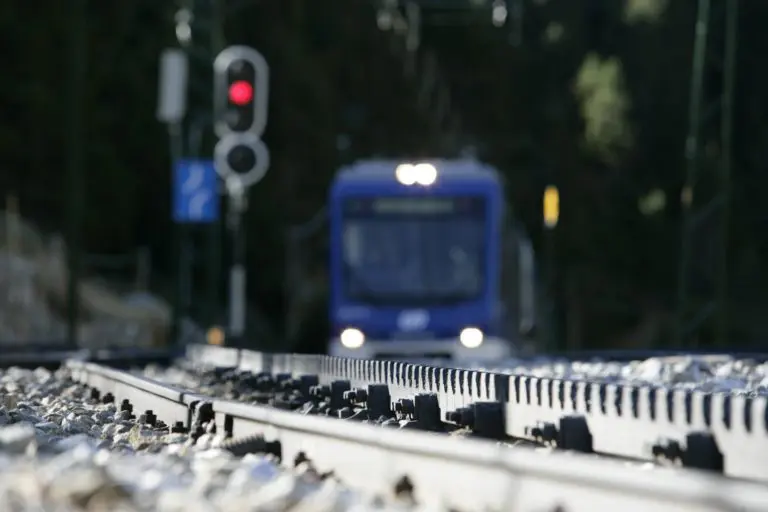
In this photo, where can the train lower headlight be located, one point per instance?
(352, 338)
(471, 337)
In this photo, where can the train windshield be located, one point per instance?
(414, 250)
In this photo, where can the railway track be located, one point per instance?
(481, 472)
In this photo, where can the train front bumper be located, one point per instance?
(490, 349)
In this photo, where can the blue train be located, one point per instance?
(416, 266)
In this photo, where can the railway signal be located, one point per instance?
(241, 95)
(240, 99)
(241, 91)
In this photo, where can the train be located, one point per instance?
(423, 263)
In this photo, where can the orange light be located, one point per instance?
(551, 206)
(215, 336)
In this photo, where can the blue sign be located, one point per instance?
(195, 191)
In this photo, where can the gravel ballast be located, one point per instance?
(62, 451)
(716, 373)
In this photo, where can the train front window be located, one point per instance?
(414, 250)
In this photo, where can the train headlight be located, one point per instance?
(471, 337)
(426, 174)
(406, 174)
(352, 338)
(422, 174)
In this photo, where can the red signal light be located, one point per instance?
(240, 93)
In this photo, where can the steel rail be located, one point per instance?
(721, 432)
(463, 474)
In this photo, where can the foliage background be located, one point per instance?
(594, 100)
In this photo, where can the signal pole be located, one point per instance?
(238, 203)
(200, 31)
(697, 213)
(76, 167)
(551, 210)
(214, 235)
(171, 110)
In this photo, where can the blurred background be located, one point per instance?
(653, 133)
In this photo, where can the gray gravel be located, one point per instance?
(703, 373)
(60, 451)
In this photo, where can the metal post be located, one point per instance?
(237, 273)
(692, 159)
(551, 265)
(214, 231)
(526, 286)
(77, 73)
(551, 214)
(217, 31)
(176, 140)
(695, 211)
(726, 134)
